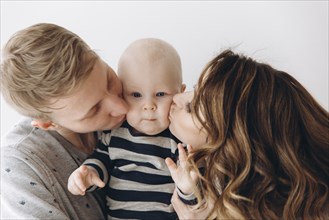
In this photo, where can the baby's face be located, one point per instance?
(148, 90)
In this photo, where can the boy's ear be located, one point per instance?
(45, 125)
(183, 88)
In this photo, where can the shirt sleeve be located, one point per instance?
(26, 192)
(189, 199)
(100, 159)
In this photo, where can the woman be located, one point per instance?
(261, 138)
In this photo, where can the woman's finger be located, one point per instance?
(172, 168)
(189, 148)
(182, 155)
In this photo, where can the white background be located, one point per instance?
(290, 35)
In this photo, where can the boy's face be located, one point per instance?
(96, 105)
(148, 89)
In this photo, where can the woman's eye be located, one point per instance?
(136, 94)
(188, 107)
(160, 94)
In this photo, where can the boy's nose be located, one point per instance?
(151, 107)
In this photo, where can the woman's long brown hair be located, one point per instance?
(267, 154)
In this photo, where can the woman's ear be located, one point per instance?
(45, 125)
(183, 88)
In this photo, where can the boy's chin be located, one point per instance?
(149, 131)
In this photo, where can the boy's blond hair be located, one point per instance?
(42, 63)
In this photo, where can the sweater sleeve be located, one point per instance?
(26, 191)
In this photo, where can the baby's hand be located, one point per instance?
(82, 178)
(184, 179)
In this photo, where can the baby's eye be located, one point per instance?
(160, 94)
(188, 107)
(136, 94)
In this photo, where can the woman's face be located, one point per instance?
(182, 123)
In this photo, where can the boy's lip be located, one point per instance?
(150, 119)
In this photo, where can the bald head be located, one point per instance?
(151, 74)
(150, 51)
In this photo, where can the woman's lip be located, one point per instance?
(171, 114)
(172, 109)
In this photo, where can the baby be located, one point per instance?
(130, 160)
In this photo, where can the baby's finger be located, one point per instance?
(80, 182)
(81, 186)
(74, 189)
(97, 181)
(83, 170)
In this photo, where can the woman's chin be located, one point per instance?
(173, 131)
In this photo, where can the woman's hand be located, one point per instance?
(184, 179)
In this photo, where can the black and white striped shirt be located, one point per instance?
(133, 165)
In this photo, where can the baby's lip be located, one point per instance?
(150, 119)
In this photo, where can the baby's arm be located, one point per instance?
(82, 178)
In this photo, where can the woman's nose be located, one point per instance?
(176, 98)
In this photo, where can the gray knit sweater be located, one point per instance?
(35, 166)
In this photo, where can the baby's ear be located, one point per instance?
(183, 88)
(45, 125)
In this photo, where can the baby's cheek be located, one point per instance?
(132, 117)
(165, 110)
(166, 122)
(164, 118)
